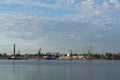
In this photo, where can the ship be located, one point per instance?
(36, 57)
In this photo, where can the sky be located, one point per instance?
(57, 25)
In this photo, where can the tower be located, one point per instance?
(71, 53)
(14, 50)
(18, 51)
(39, 52)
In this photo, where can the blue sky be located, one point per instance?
(57, 25)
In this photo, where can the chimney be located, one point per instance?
(14, 50)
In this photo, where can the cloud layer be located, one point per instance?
(58, 24)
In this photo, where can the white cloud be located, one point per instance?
(87, 7)
(33, 42)
(66, 1)
(29, 27)
(113, 1)
(75, 37)
(9, 1)
(90, 22)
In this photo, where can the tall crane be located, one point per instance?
(72, 51)
(88, 49)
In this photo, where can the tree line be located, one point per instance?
(113, 56)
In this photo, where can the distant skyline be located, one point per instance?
(57, 25)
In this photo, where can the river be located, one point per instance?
(60, 70)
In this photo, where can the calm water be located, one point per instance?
(59, 70)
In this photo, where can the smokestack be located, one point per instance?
(39, 52)
(14, 50)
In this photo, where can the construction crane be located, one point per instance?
(88, 49)
(72, 51)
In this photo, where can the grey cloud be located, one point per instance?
(33, 27)
(91, 23)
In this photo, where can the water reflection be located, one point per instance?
(59, 70)
(13, 66)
